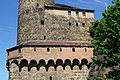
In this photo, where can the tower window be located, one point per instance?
(69, 12)
(76, 24)
(48, 49)
(70, 24)
(83, 24)
(83, 13)
(85, 50)
(44, 37)
(50, 77)
(27, 12)
(77, 13)
(34, 49)
(37, 5)
(42, 22)
(73, 49)
(19, 50)
(60, 49)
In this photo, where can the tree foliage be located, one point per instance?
(105, 35)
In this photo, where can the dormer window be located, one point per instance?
(69, 12)
(77, 13)
(83, 13)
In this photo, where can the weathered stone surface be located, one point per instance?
(54, 27)
(52, 45)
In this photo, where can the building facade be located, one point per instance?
(53, 42)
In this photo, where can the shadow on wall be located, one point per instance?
(56, 65)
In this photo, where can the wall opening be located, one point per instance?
(69, 12)
(60, 49)
(83, 24)
(70, 24)
(73, 49)
(35, 49)
(50, 77)
(83, 13)
(37, 5)
(85, 50)
(42, 22)
(77, 13)
(19, 50)
(48, 49)
(44, 37)
(76, 24)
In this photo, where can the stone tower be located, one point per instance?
(53, 42)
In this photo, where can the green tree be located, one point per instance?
(105, 35)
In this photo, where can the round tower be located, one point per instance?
(31, 16)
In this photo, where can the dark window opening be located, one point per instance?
(73, 49)
(37, 5)
(44, 37)
(50, 77)
(85, 50)
(48, 49)
(19, 50)
(83, 13)
(77, 13)
(34, 49)
(42, 22)
(83, 24)
(76, 24)
(60, 49)
(70, 24)
(69, 12)
(27, 12)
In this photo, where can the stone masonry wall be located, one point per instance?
(35, 23)
(55, 27)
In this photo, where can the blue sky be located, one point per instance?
(8, 24)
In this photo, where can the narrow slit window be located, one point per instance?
(76, 24)
(50, 77)
(83, 24)
(34, 49)
(70, 24)
(48, 49)
(19, 50)
(37, 5)
(69, 12)
(42, 22)
(44, 37)
(85, 50)
(73, 49)
(60, 49)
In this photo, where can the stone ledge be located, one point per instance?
(48, 43)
